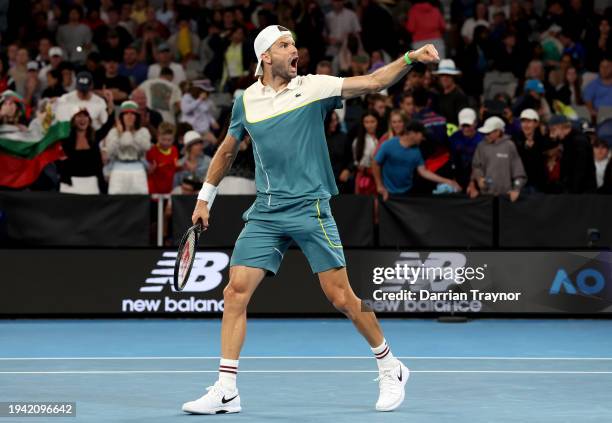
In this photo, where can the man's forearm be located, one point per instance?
(376, 173)
(388, 75)
(222, 161)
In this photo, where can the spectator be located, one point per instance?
(310, 31)
(570, 92)
(437, 139)
(378, 106)
(480, 18)
(463, 144)
(18, 72)
(497, 168)
(12, 109)
(407, 105)
(126, 145)
(32, 87)
(184, 44)
(475, 61)
(577, 169)
(533, 98)
(84, 97)
(398, 159)
(163, 95)
(598, 44)
(163, 159)
(531, 145)
(340, 153)
(397, 126)
(197, 109)
(112, 25)
(149, 118)
(451, 98)
(598, 93)
(426, 25)
(375, 16)
(363, 154)
(164, 60)
(237, 59)
(132, 68)
(81, 169)
(570, 46)
(601, 154)
(68, 80)
(111, 80)
(5, 79)
(194, 162)
(54, 87)
(75, 37)
(340, 23)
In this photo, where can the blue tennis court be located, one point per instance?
(313, 370)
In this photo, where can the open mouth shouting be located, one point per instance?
(293, 64)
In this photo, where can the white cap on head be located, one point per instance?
(264, 41)
(467, 116)
(530, 114)
(56, 51)
(492, 124)
(190, 137)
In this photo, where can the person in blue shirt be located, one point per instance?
(283, 114)
(398, 159)
(598, 93)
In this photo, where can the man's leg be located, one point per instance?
(223, 396)
(236, 296)
(393, 374)
(338, 291)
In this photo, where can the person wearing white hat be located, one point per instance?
(531, 144)
(497, 168)
(284, 115)
(194, 162)
(451, 99)
(463, 145)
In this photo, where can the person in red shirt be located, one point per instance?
(163, 160)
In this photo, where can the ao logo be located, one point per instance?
(588, 281)
(205, 274)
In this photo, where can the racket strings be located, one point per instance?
(187, 257)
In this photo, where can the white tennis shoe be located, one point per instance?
(392, 383)
(215, 401)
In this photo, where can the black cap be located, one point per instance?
(558, 120)
(84, 81)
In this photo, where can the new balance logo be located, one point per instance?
(298, 95)
(400, 375)
(205, 274)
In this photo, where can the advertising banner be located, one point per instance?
(138, 282)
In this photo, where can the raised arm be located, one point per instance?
(219, 166)
(387, 75)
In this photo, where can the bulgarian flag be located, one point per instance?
(24, 153)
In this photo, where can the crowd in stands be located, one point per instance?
(521, 101)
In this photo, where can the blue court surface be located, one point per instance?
(313, 370)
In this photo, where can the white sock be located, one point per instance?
(384, 357)
(228, 370)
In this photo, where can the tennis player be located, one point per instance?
(283, 113)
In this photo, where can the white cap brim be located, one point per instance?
(259, 70)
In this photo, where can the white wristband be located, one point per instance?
(208, 194)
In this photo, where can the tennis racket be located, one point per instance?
(186, 255)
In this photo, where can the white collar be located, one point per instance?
(293, 84)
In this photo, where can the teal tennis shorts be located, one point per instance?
(269, 230)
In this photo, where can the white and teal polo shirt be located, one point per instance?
(288, 136)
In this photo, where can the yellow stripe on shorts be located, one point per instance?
(329, 241)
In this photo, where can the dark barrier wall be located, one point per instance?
(552, 221)
(354, 216)
(76, 220)
(437, 222)
(138, 281)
